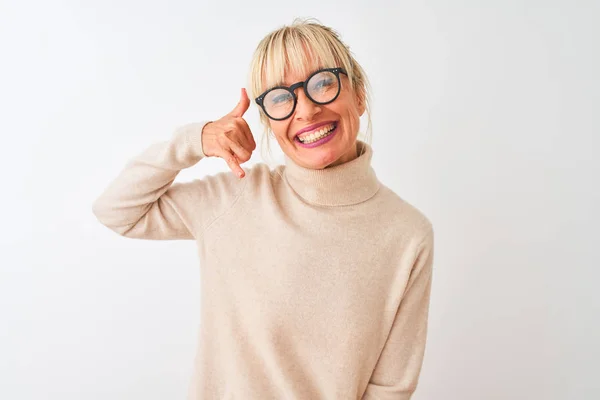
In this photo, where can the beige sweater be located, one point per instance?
(315, 284)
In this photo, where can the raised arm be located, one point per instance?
(396, 374)
(143, 202)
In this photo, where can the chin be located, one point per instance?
(320, 158)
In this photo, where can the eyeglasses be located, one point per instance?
(321, 87)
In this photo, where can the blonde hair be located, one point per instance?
(288, 47)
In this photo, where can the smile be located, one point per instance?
(317, 135)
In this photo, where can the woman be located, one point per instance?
(315, 277)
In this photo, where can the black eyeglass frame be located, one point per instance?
(260, 99)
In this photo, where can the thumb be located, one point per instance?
(242, 105)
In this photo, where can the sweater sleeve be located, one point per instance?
(142, 202)
(396, 373)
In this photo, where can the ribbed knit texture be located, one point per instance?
(315, 284)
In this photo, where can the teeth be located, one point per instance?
(313, 137)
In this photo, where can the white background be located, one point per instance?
(485, 117)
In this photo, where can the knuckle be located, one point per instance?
(244, 156)
(225, 139)
(236, 126)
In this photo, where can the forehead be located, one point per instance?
(298, 74)
(294, 63)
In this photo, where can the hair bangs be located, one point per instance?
(293, 52)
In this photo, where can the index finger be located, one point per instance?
(233, 163)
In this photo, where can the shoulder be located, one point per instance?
(404, 216)
(262, 175)
(261, 171)
(214, 195)
(226, 185)
(260, 179)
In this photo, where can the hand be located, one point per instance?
(230, 137)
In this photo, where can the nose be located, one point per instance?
(305, 108)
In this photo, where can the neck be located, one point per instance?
(343, 184)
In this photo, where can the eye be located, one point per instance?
(323, 83)
(278, 97)
(281, 98)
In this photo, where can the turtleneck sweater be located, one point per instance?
(315, 284)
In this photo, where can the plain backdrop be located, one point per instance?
(485, 117)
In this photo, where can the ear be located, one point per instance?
(360, 101)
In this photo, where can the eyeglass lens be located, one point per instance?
(322, 88)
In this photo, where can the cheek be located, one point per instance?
(352, 119)
(348, 107)
(280, 130)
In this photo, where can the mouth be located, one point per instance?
(317, 135)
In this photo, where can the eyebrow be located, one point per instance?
(281, 83)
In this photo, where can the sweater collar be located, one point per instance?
(350, 183)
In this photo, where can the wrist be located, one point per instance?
(201, 139)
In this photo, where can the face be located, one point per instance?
(339, 145)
